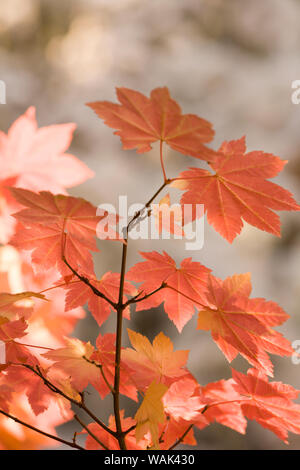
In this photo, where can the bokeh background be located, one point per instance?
(229, 61)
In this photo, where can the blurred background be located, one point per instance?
(228, 61)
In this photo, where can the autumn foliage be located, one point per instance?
(47, 276)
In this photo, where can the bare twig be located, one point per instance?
(138, 213)
(88, 283)
(178, 441)
(29, 426)
(116, 394)
(135, 299)
(90, 432)
(80, 404)
(100, 366)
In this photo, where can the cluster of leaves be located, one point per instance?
(47, 276)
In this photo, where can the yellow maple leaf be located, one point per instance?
(151, 413)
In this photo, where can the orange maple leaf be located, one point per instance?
(71, 360)
(79, 294)
(187, 285)
(142, 121)
(269, 403)
(242, 325)
(238, 189)
(35, 159)
(151, 413)
(110, 441)
(56, 225)
(153, 362)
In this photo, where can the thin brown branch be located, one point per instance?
(129, 429)
(80, 404)
(88, 283)
(90, 432)
(100, 366)
(178, 441)
(135, 299)
(138, 213)
(51, 436)
(116, 395)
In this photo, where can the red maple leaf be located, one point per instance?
(78, 294)
(110, 441)
(35, 159)
(238, 190)
(56, 225)
(223, 405)
(12, 329)
(269, 403)
(182, 401)
(73, 359)
(141, 121)
(187, 285)
(158, 362)
(242, 325)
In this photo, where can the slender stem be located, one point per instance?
(34, 346)
(138, 213)
(162, 160)
(219, 403)
(135, 299)
(97, 420)
(116, 395)
(178, 441)
(80, 404)
(90, 432)
(57, 286)
(100, 366)
(88, 283)
(129, 429)
(184, 295)
(120, 435)
(17, 420)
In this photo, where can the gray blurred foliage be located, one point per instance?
(229, 61)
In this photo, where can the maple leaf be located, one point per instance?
(13, 304)
(228, 414)
(151, 413)
(141, 121)
(39, 395)
(238, 190)
(187, 285)
(37, 156)
(104, 355)
(12, 329)
(153, 362)
(110, 441)
(269, 403)
(173, 430)
(35, 159)
(71, 360)
(182, 401)
(78, 294)
(23, 380)
(17, 353)
(49, 323)
(15, 436)
(56, 225)
(168, 218)
(242, 325)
